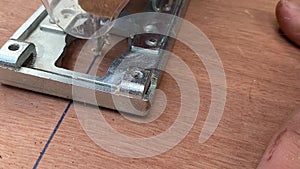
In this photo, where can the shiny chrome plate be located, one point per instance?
(28, 60)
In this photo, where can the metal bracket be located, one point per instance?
(28, 60)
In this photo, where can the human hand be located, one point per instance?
(288, 16)
(284, 149)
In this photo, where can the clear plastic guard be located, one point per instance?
(68, 15)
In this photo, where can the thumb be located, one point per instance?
(288, 16)
(284, 150)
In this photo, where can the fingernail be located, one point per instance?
(290, 4)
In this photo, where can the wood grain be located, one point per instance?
(262, 71)
(103, 8)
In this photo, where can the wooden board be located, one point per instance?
(262, 70)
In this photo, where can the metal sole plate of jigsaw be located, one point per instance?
(28, 61)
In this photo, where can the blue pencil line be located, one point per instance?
(52, 135)
(42, 153)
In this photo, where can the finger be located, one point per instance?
(284, 150)
(103, 8)
(288, 16)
